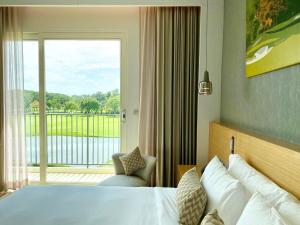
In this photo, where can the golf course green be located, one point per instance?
(80, 125)
(276, 48)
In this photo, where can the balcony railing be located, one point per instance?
(74, 139)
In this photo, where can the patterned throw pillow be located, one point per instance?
(212, 218)
(191, 198)
(132, 161)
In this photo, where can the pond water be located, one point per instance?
(71, 150)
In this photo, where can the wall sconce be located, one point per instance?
(205, 86)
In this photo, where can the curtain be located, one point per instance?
(13, 174)
(169, 60)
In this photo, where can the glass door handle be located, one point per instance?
(123, 115)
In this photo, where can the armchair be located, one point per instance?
(140, 178)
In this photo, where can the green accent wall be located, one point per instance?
(268, 104)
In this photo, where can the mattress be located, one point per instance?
(89, 205)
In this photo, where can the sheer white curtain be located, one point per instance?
(12, 149)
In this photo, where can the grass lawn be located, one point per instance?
(76, 125)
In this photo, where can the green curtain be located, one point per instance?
(174, 92)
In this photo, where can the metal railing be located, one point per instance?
(74, 139)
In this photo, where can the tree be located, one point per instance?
(115, 92)
(268, 11)
(89, 104)
(86, 103)
(113, 104)
(29, 97)
(53, 104)
(35, 105)
(71, 106)
(56, 101)
(101, 97)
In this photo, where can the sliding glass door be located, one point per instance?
(31, 104)
(79, 104)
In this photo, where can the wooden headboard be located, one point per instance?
(276, 160)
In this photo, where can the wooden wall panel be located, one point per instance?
(277, 160)
(219, 141)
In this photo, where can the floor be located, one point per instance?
(71, 175)
(71, 178)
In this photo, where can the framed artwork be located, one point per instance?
(272, 35)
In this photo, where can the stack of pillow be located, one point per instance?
(239, 195)
(269, 204)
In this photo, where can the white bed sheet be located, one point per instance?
(83, 205)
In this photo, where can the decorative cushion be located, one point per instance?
(191, 198)
(212, 218)
(132, 161)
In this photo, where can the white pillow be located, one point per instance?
(259, 212)
(225, 193)
(254, 181)
(290, 211)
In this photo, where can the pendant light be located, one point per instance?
(205, 86)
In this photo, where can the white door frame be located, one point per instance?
(41, 37)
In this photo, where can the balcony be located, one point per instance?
(79, 146)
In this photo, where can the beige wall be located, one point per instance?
(209, 106)
(99, 19)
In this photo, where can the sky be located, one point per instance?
(74, 67)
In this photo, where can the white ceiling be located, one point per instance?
(99, 2)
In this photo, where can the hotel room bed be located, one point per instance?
(239, 194)
(89, 205)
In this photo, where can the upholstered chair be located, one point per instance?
(140, 178)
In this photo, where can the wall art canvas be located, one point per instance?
(272, 35)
